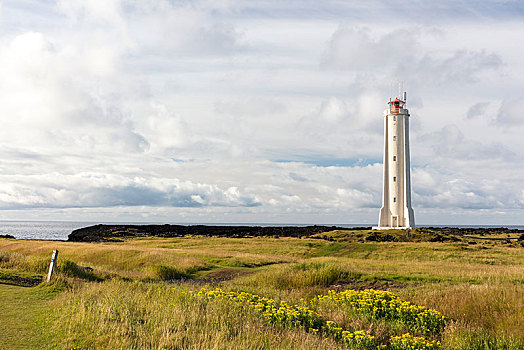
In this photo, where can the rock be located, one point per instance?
(85, 268)
(381, 237)
(103, 233)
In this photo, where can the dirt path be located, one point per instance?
(22, 311)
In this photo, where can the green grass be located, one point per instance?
(22, 278)
(300, 275)
(169, 273)
(71, 269)
(24, 314)
(134, 296)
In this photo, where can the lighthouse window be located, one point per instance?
(394, 138)
(394, 199)
(394, 118)
(394, 179)
(394, 158)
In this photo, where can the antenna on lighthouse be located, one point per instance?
(399, 89)
(405, 97)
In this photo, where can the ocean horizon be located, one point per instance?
(59, 230)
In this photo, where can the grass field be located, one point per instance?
(143, 293)
(24, 316)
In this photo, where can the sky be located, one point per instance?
(268, 111)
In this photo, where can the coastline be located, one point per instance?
(60, 230)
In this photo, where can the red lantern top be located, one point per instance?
(396, 105)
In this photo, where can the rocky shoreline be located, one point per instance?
(99, 233)
(105, 233)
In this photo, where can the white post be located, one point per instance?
(52, 264)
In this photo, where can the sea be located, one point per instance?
(59, 230)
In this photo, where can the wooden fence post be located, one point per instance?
(52, 264)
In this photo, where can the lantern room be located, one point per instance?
(396, 105)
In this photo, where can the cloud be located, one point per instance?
(477, 110)
(181, 27)
(296, 177)
(47, 98)
(103, 190)
(346, 123)
(250, 107)
(433, 188)
(510, 113)
(462, 66)
(332, 114)
(110, 11)
(401, 54)
(166, 130)
(380, 11)
(355, 48)
(450, 143)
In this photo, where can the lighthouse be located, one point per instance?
(396, 211)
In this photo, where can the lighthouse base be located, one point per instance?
(390, 228)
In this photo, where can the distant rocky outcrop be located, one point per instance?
(481, 231)
(106, 233)
(98, 233)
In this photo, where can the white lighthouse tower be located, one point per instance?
(396, 211)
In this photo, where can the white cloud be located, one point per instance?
(55, 190)
(404, 55)
(449, 143)
(332, 113)
(79, 10)
(355, 48)
(450, 192)
(510, 113)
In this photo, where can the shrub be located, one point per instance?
(169, 273)
(386, 305)
(303, 275)
(299, 316)
(410, 342)
(71, 269)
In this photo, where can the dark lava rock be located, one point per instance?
(7, 236)
(85, 268)
(443, 238)
(381, 237)
(478, 231)
(99, 233)
(20, 281)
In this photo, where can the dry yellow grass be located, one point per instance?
(122, 315)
